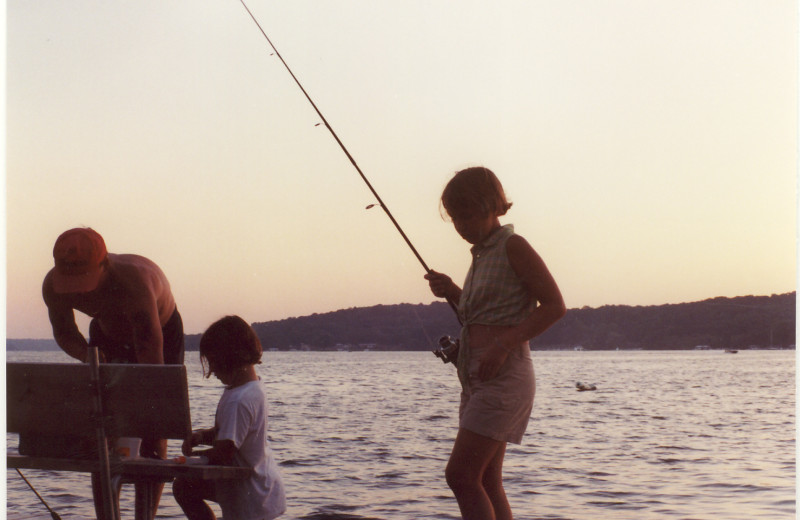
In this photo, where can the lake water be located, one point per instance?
(366, 435)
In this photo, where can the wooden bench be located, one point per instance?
(102, 401)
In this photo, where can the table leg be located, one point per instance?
(146, 493)
(116, 486)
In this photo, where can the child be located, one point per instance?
(230, 349)
(499, 312)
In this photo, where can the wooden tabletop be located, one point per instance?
(132, 467)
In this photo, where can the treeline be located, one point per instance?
(724, 323)
(719, 323)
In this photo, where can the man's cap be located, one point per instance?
(78, 254)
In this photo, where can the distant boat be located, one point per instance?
(578, 348)
(583, 387)
(729, 351)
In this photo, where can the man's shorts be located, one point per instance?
(116, 351)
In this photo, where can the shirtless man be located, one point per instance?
(134, 317)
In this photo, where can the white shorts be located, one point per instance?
(500, 407)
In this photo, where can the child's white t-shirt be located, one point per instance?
(242, 418)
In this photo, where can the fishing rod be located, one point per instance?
(53, 514)
(344, 149)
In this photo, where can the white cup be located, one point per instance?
(128, 447)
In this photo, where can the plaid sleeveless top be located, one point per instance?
(492, 293)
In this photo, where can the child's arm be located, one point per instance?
(221, 453)
(539, 283)
(198, 437)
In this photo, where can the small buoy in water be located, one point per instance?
(583, 387)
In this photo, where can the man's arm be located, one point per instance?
(66, 332)
(148, 339)
(62, 320)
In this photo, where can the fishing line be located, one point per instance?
(53, 514)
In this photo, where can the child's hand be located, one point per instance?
(193, 440)
(441, 285)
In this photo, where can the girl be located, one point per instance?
(230, 349)
(508, 298)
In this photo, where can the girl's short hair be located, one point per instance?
(474, 190)
(229, 343)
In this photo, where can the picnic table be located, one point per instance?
(104, 401)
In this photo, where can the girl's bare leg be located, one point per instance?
(472, 455)
(493, 484)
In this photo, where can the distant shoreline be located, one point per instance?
(48, 345)
(741, 323)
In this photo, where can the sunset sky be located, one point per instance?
(649, 147)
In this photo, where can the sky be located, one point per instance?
(649, 147)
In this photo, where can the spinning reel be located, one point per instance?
(447, 350)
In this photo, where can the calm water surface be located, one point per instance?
(366, 435)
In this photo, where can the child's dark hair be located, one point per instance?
(474, 190)
(229, 343)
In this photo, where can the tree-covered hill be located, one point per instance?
(742, 322)
(723, 323)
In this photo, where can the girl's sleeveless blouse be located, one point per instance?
(492, 293)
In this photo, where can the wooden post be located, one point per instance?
(110, 506)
